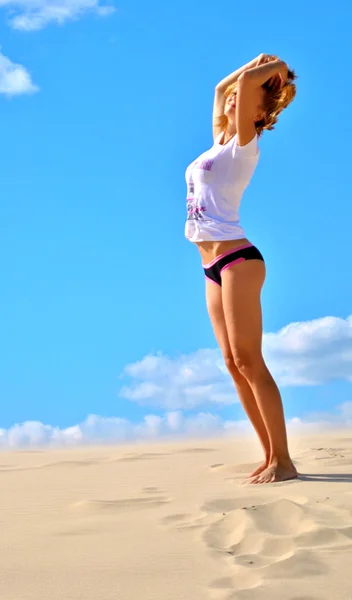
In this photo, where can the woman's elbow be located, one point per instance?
(244, 78)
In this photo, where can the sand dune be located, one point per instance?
(172, 521)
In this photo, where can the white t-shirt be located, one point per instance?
(215, 185)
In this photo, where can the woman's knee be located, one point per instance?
(229, 362)
(248, 362)
(231, 367)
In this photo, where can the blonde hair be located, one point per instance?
(275, 101)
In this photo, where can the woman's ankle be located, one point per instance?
(283, 459)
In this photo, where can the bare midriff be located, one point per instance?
(210, 250)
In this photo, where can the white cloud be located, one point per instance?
(311, 352)
(346, 411)
(171, 425)
(99, 430)
(14, 78)
(185, 382)
(31, 15)
(306, 353)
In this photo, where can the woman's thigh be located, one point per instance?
(241, 301)
(213, 296)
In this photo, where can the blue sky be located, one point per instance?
(102, 107)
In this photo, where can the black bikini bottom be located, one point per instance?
(216, 267)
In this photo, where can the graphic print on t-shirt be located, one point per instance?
(195, 212)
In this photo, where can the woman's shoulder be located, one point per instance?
(250, 150)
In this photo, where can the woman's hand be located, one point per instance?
(265, 58)
(277, 81)
(283, 74)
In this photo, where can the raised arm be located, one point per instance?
(219, 98)
(251, 96)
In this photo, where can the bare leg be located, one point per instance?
(244, 390)
(252, 411)
(241, 289)
(270, 404)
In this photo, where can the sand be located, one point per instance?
(170, 521)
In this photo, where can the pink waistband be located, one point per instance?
(225, 254)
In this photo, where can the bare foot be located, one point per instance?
(276, 472)
(259, 470)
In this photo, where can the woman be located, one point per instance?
(246, 102)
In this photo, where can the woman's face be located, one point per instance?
(230, 104)
(258, 101)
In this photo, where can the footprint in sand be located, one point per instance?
(152, 490)
(303, 598)
(94, 507)
(131, 457)
(195, 450)
(236, 470)
(8, 467)
(86, 513)
(327, 456)
(282, 539)
(225, 505)
(248, 595)
(187, 521)
(58, 464)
